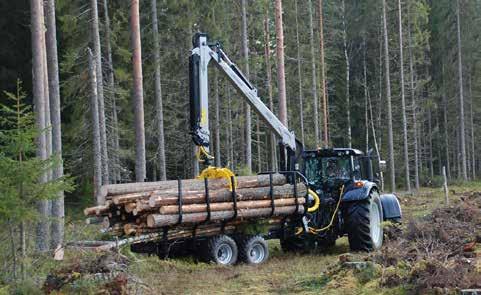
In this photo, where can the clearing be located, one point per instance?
(436, 249)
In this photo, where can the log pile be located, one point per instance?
(208, 207)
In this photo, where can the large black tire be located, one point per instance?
(363, 223)
(253, 249)
(221, 249)
(292, 244)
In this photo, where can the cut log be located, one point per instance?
(188, 184)
(227, 206)
(159, 220)
(98, 210)
(243, 194)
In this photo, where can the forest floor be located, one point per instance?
(436, 249)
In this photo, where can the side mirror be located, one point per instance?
(382, 165)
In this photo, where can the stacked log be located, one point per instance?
(207, 207)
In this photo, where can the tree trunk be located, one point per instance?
(37, 30)
(471, 123)
(58, 213)
(414, 105)
(247, 108)
(461, 95)
(48, 122)
(158, 95)
(230, 137)
(159, 220)
(217, 120)
(115, 165)
(23, 249)
(299, 72)
(140, 165)
(267, 57)
(366, 94)
(315, 98)
(430, 143)
(388, 100)
(281, 76)
(100, 90)
(323, 78)
(228, 206)
(95, 129)
(403, 100)
(348, 70)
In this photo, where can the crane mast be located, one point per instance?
(202, 54)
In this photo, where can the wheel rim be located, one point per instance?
(375, 225)
(257, 253)
(224, 254)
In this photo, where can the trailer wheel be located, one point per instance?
(222, 250)
(363, 224)
(253, 249)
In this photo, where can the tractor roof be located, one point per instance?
(335, 152)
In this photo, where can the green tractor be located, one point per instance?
(346, 200)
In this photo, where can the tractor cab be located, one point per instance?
(329, 169)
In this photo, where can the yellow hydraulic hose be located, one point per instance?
(317, 201)
(318, 230)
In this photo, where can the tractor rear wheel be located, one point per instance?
(292, 244)
(363, 223)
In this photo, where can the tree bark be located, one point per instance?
(471, 123)
(188, 184)
(100, 199)
(388, 100)
(317, 135)
(115, 165)
(100, 90)
(323, 78)
(230, 136)
(281, 76)
(224, 195)
(158, 95)
(228, 206)
(461, 96)
(158, 220)
(217, 120)
(366, 91)
(247, 108)
(403, 100)
(267, 57)
(348, 70)
(140, 165)
(58, 213)
(37, 30)
(299, 72)
(414, 105)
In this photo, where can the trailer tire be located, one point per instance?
(253, 249)
(222, 250)
(363, 223)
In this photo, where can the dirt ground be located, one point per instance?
(435, 250)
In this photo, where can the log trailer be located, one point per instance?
(342, 195)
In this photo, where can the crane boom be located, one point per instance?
(202, 54)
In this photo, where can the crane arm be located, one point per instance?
(202, 54)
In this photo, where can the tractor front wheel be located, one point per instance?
(363, 223)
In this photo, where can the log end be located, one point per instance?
(150, 220)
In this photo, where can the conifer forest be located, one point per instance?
(107, 184)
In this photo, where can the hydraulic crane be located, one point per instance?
(205, 53)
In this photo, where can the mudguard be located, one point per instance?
(390, 207)
(353, 193)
